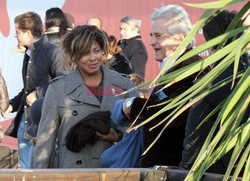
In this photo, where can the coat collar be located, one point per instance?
(127, 41)
(76, 88)
(52, 30)
(40, 42)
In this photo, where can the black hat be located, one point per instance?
(35, 116)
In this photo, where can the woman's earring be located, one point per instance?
(73, 65)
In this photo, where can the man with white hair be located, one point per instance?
(131, 44)
(169, 26)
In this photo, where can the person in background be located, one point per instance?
(95, 22)
(90, 88)
(71, 21)
(169, 26)
(131, 44)
(194, 138)
(41, 64)
(4, 100)
(116, 60)
(4, 97)
(8, 157)
(56, 25)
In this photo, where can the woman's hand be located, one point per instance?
(5, 113)
(112, 136)
(31, 98)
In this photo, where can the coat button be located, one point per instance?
(79, 162)
(74, 113)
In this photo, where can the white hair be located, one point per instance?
(132, 21)
(180, 22)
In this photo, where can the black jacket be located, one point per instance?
(136, 52)
(194, 139)
(120, 63)
(172, 138)
(38, 70)
(84, 132)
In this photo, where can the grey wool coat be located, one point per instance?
(67, 101)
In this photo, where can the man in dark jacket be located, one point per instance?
(169, 26)
(194, 139)
(131, 44)
(40, 65)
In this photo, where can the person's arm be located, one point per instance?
(4, 97)
(16, 100)
(47, 131)
(13, 104)
(1, 134)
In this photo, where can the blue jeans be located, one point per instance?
(23, 146)
(32, 156)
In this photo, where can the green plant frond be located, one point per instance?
(205, 163)
(219, 69)
(200, 96)
(222, 83)
(232, 136)
(200, 65)
(188, 38)
(241, 87)
(203, 152)
(191, 93)
(161, 132)
(146, 84)
(161, 104)
(229, 50)
(226, 129)
(173, 103)
(214, 4)
(209, 44)
(241, 107)
(217, 109)
(202, 83)
(193, 101)
(235, 22)
(207, 92)
(212, 89)
(164, 109)
(186, 41)
(165, 119)
(241, 163)
(245, 36)
(240, 143)
(227, 126)
(246, 174)
(238, 17)
(202, 162)
(220, 152)
(232, 133)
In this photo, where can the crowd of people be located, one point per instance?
(71, 113)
